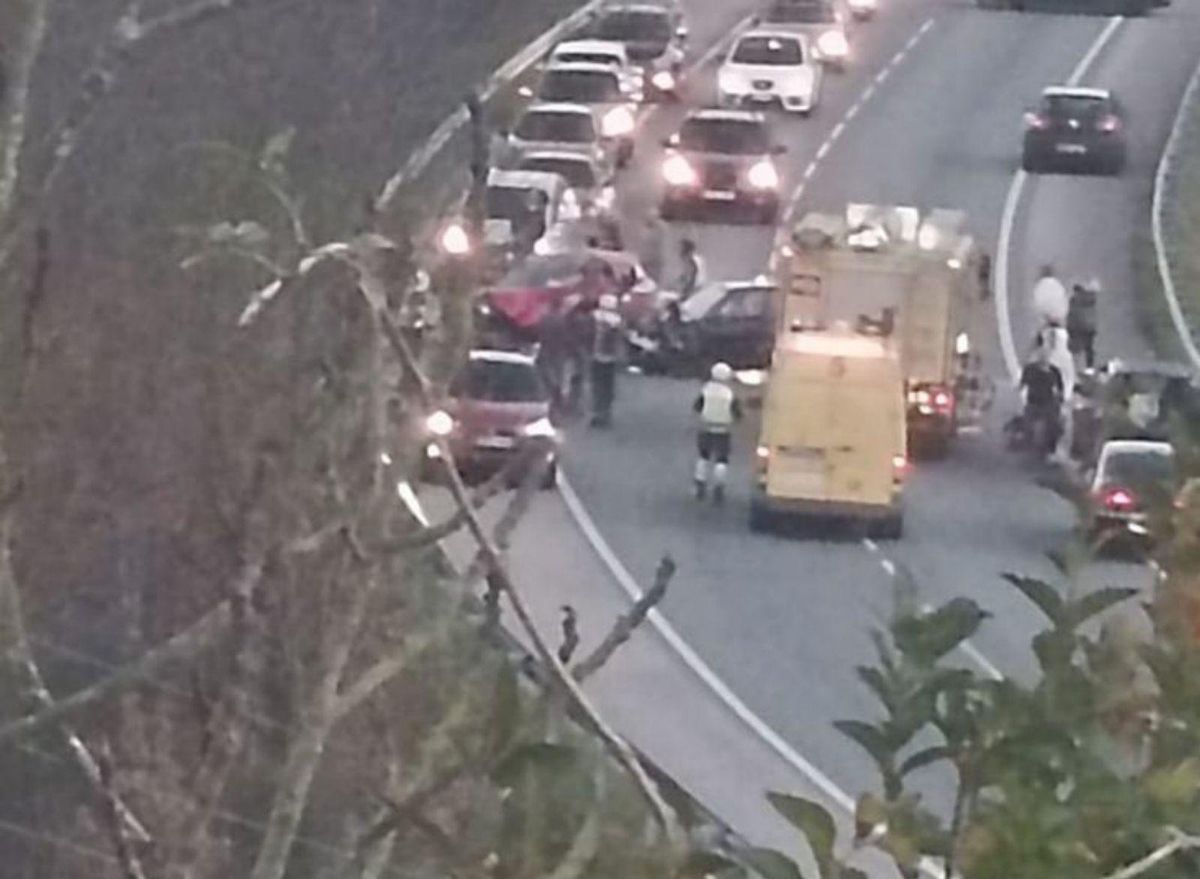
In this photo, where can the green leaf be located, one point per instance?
(879, 684)
(1174, 785)
(870, 738)
(927, 638)
(926, 757)
(1042, 594)
(770, 864)
(705, 863)
(1096, 603)
(814, 821)
(546, 756)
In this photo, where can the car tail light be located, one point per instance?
(930, 399)
(762, 457)
(1036, 120)
(899, 468)
(943, 400)
(1118, 500)
(1109, 124)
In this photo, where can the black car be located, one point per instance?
(730, 321)
(1075, 129)
(721, 160)
(654, 35)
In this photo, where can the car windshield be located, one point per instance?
(1073, 106)
(789, 12)
(769, 51)
(732, 136)
(647, 25)
(552, 127)
(513, 203)
(580, 86)
(1139, 468)
(498, 381)
(579, 174)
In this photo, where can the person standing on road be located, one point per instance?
(692, 275)
(1081, 321)
(650, 247)
(608, 340)
(1049, 298)
(718, 408)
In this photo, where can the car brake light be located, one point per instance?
(899, 468)
(1118, 500)
(1109, 124)
(943, 400)
(1035, 120)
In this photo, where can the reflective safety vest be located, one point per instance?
(718, 407)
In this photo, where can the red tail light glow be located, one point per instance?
(899, 468)
(1109, 124)
(1119, 500)
(1035, 120)
(943, 400)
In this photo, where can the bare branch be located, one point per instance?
(627, 623)
(131, 866)
(180, 647)
(496, 568)
(393, 664)
(1180, 842)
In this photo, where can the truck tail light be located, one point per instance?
(1108, 124)
(1036, 121)
(1118, 500)
(899, 468)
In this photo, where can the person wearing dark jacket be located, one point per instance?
(1081, 322)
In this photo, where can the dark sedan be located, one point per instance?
(1075, 130)
(721, 161)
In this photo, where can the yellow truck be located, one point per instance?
(832, 441)
(914, 278)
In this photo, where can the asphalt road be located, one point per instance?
(784, 620)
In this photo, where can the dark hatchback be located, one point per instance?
(721, 161)
(1075, 130)
(654, 36)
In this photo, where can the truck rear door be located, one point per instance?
(798, 405)
(861, 437)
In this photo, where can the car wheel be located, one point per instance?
(1029, 163)
(550, 477)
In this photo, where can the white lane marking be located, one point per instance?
(1008, 217)
(823, 150)
(692, 659)
(1156, 220)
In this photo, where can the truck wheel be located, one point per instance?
(1028, 163)
(760, 517)
(890, 528)
(550, 477)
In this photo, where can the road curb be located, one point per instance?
(1161, 178)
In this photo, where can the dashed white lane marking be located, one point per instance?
(1008, 218)
(693, 661)
(836, 132)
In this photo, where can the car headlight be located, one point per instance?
(833, 44)
(540, 428)
(617, 122)
(440, 423)
(863, 5)
(751, 378)
(762, 175)
(663, 80)
(677, 171)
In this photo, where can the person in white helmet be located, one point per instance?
(718, 408)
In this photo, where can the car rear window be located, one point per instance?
(578, 174)
(514, 204)
(1074, 107)
(634, 25)
(498, 381)
(587, 58)
(768, 50)
(1139, 468)
(553, 127)
(786, 12)
(731, 136)
(582, 86)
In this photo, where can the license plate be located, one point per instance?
(495, 442)
(1071, 149)
(762, 84)
(719, 195)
